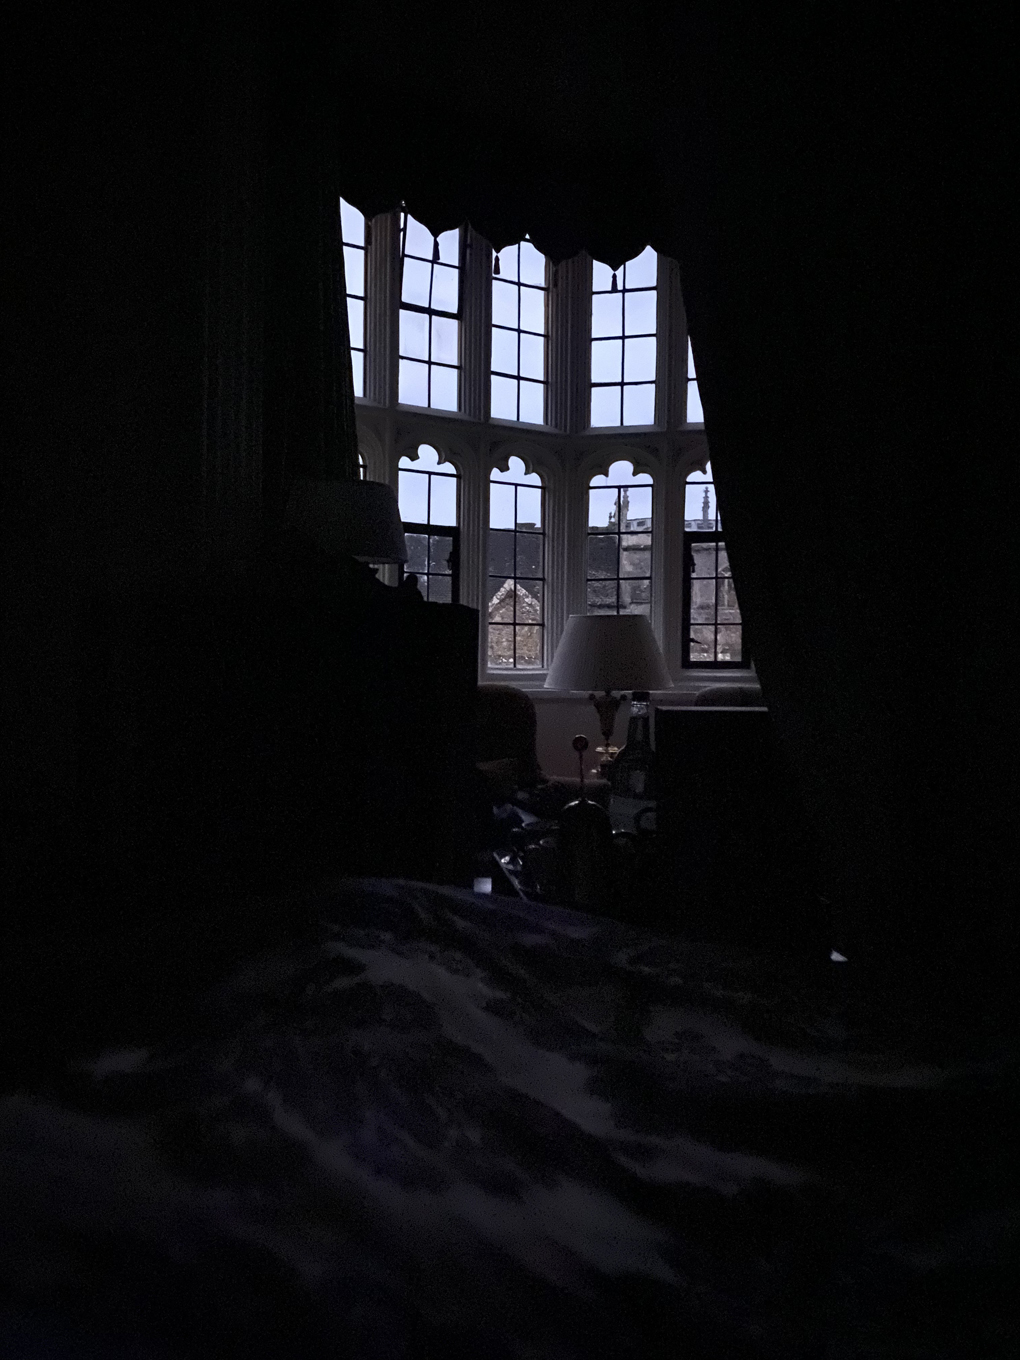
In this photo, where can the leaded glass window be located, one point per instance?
(623, 342)
(619, 542)
(516, 608)
(519, 293)
(429, 354)
(712, 626)
(352, 233)
(427, 496)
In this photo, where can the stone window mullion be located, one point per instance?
(557, 555)
(381, 308)
(670, 566)
(671, 358)
(474, 519)
(663, 544)
(476, 324)
(575, 528)
(476, 320)
(569, 344)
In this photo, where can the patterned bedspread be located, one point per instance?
(457, 1126)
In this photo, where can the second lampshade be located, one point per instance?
(360, 519)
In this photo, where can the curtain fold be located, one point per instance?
(310, 414)
(535, 125)
(828, 261)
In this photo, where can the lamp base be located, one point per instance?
(606, 754)
(607, 705)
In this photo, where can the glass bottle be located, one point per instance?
(585, 852)
(632, 774)
(585, 847)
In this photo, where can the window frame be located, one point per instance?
(618, 533)
(565, 453)
(691, 380)
(361, 297)
(450, 531)
(430, 312)
(518, 331)
(622, 292)
(716, 536)
(542, 535)
(427, 527)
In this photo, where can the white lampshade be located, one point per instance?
(608, 651)
(359, 518)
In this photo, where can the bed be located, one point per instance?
(449, 1125)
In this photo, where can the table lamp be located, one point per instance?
(608, 652)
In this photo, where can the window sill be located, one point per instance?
(690, 683)
(432, 411)
(623, 430)
(504, 423)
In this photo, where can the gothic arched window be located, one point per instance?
(619, 547)
(427, 496)
(516, 589)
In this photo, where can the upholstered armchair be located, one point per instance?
(730, 696)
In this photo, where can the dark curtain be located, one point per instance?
(536, 121)
(833, 192)
(838, 189)
(309, 384)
